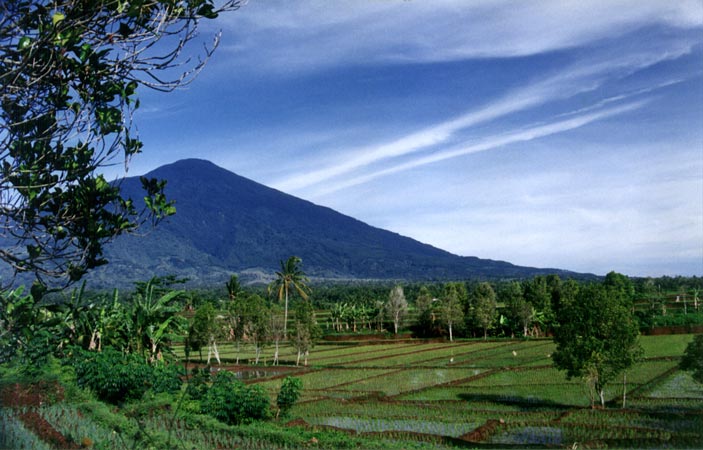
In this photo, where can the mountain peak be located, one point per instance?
(187, 165)
(226, 223)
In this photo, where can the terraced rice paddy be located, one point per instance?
(495, 394)
(417, 394)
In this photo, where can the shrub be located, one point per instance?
(198, 383)
(115, 377)
(231, 401)
(166, 378)
(288, 395)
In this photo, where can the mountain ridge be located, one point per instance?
(226, 224)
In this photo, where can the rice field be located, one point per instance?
(422, 394)
(499, 393)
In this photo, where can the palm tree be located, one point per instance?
(290, 278)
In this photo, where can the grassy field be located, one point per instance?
(411, 394)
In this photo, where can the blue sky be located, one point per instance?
(551, 134)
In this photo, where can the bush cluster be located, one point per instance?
(288, 395)
(231, 401)
(115, 377)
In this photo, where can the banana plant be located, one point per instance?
(153, 320)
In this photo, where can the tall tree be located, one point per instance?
(235, 313)
(276, 332)
(596, 336)
(69, 71)
(425, 312)
(538, 293)
(206, 329)
(289, 279)
(305, 332)
(518, 311)
(451, 310)
(484, 306)
(396, 307)
(256, 322)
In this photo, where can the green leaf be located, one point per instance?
(57, 17)
(24, 43)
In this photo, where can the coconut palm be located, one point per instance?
(290, 278)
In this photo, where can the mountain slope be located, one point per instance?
(226, 223)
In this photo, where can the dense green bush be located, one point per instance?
(231, 401)
(198, 383)
(166, 378)
(288, 395)
(115, 377)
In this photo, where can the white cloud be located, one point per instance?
(586, 75)
(309, 35)
(583, 216)
(489, 143)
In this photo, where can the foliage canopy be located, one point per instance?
(69, 72)
(596, 336)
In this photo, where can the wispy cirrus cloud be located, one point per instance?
(486, 144)
(287, 37)
(586, 75)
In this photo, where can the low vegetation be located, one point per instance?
(123, 371)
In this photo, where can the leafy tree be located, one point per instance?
(484, 306)
(693, 358)
(235, 313)
(233, 287)
(255, 322)
(288, 395)
(379, 314)
(306, 331)
(276, 330)
(69, 72)
(538, 293)
(596, 337)
(289, 278)
(205, 330)
(396, 307)
(519, 312)
(424, 306)
(620, 283)
(451, 311)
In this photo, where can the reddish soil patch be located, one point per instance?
(298, 423)
(33, 396)
(677, 329)
(47, 433)
(37, 394)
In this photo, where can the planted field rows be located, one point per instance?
(498, 393)
(423, 394)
